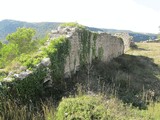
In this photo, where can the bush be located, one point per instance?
(82, 108)
(30, 88)
(72, 24)
(29, 60)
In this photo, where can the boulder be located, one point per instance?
(54, 31)
(23, 74)
(46, 62)
(8, 79)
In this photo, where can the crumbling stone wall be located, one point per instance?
(76, 48)
(127, 39)
(87, 45)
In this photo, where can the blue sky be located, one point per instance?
(135, 15)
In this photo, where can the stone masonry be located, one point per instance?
(111, 46)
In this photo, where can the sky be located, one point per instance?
(136, 15)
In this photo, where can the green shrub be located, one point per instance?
(22, 38)
(82, 108)
(72, 24)
(30, 88)
(20, 43)
(30, 60)
(43, 40)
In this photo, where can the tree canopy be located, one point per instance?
(20, 42)
(22, 38)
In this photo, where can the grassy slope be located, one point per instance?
(151, 50)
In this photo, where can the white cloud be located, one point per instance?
(118, 14)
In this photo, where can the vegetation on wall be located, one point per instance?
(85, 46)
(57, 51)
(31, 88)
(31, 60)
(100, 53)
(72, 24)
(94, 45)
(88, 50)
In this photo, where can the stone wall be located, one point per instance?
(63, 56)
(127, 39)
(87, 45)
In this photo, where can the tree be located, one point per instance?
(7, 54)
(1, 45)
(22, 38)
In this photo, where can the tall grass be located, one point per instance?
(10, 110)
(115, 108)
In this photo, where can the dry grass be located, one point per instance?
(151, 50)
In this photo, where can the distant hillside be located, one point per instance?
(42, 28)
(137, 37)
